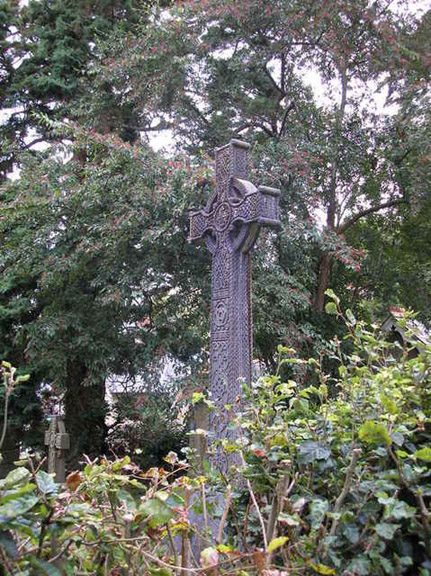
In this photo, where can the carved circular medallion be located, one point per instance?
(220, 314)
(222, 217)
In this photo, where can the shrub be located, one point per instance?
(324, 484)
(345, 480)
(149, 426)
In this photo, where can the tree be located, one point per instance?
(45, 50)
(209, 71)
(89, 251)
(46, 47)
(89, 262)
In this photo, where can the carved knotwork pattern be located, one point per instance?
(240, 163)
(221, 269)
(52, 451)
(221, 314)
(236, 202)
(219, 362)
(222, 171)
(222, 217)
(57, 441)
(198, 225)
(247, 211)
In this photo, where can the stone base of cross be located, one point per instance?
(230, 224)
(58, 442)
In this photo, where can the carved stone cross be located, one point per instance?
(230, 224)
(58, 442)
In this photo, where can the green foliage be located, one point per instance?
(324, 484)
(353, 465)
(119, 71)
(149, 425)
(97, 277)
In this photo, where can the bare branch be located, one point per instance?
(346, 488)
(371, 210)
(273, 82)
(285, 115)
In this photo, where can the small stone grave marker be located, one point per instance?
(58, 442)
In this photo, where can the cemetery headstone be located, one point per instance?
(230, 224)
(58, 442)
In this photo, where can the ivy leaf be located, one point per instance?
(388, 404)
(386, 530)
(17, 477)
(17, 492)
(8, 544)
(322, 569)
(400, 510)
(318, 509)
(331, 294)
(374, 433)
(424, 454)
(46, 483)
(19, 506)
(197, 397)
(331, 308)
(350, 317)
(277, 543)
(159, 512)
(360, 566)
(45, 567)
(351, 532)
(311, 451)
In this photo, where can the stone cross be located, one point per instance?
(58, 442)
(230, 224)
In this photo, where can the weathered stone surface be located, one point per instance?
(230, 224)
(58, 441)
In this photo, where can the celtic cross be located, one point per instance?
(58, 442)
(230, 224)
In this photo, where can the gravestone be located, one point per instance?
(58, 442)
(230, 224)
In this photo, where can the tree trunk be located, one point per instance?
(325, 260)
(323, 281)
(85, 408)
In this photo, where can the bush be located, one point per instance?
(149, 426)
(325, 484)
(345, 480)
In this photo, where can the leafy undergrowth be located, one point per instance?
(330, 479)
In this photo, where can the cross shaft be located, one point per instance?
(230, 224)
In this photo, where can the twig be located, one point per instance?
(45, 524)
(6, 563)
(114, 541)
(426, 516)
(204, 507)
(398, 465)
(184, 542)
(167, 565)
(224, 515)
(259, 515)
(7, 383)
(5, 415)
(61, 553)
(171, 542)
(276, 507)
(347, 482)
